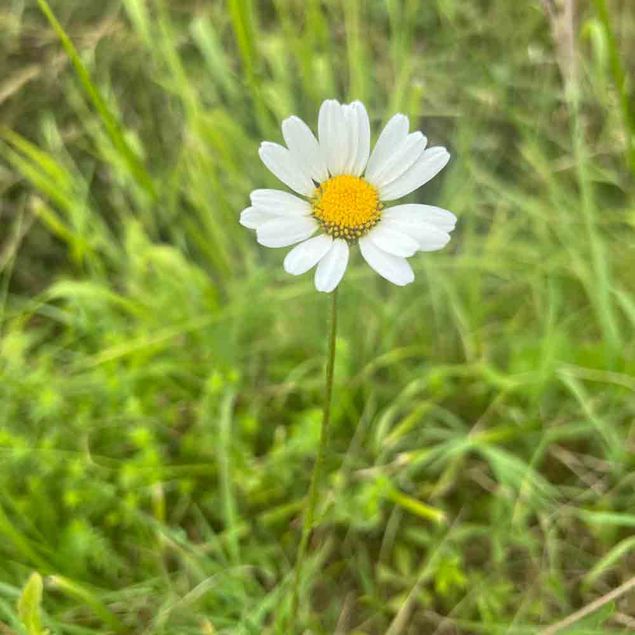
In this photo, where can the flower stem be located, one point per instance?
(316, 475)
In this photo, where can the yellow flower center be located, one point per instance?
(346, 206)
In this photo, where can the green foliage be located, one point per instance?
(29, 606)
(161, 377)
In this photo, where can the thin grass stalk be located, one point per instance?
(620, 80)
(243, 25)
(309, 516)
(358, 71)
(563, 28)
(110, 122)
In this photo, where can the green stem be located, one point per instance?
(619, 79)
(309, 516)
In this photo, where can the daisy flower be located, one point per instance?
(343, 190)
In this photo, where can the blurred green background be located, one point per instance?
(161, 377)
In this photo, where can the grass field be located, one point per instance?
(161, 377)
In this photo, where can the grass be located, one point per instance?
(161, 377)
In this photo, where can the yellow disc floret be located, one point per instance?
(346, 206)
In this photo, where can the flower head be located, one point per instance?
(344, 188)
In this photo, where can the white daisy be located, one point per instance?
(343, 188)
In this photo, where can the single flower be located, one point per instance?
(344, 187)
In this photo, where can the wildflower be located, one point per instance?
(344, 188)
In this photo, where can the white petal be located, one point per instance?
(352, 134)
(393, 268)
(433, 240)
(358, 138)
(331, 268)
(252, 218)
(431, 162)
(282, 232)
(307, 254)
(363, 139)
(279, 203)
(282, 164)
(427, 236)
(305, 148)
(393, 241)
(391, 136)
(404, 156)
(417, 213)
(333, 134)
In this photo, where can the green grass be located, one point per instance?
(161, 377)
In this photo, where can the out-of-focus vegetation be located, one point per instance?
(161, 377)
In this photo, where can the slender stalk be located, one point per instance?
(309, 515)
(619, 79)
